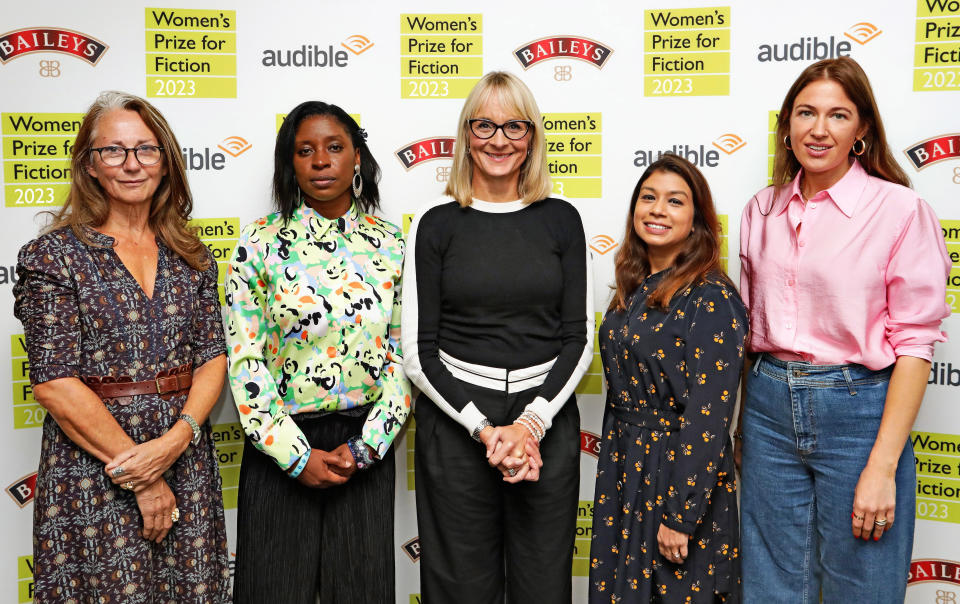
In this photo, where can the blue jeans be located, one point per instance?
(807, 433)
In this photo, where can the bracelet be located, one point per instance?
(300, 464)
(193, 426)
(361, 454)
(532, 422)
(476, 431)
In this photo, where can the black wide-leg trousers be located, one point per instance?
(482, 538)
(295, 543)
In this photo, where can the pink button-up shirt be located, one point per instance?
(862, 281)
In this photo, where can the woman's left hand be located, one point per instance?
(673, 544)
(874, 501)
(143, 464)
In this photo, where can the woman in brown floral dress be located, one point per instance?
(119, 303)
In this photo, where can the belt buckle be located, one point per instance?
(800, 373)
(156, 380)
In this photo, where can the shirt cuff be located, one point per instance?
(45, 373)
(920, 351)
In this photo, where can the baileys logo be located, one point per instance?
(563, 47)
(50, 39)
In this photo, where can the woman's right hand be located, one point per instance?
(156, 502)
(323, 469)
(513, 448)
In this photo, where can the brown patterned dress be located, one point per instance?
(85, 315)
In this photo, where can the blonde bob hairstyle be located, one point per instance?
(88, 207)
(515, 98)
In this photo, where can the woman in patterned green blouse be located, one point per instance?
(314, 313)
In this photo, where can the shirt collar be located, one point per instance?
(318, 225)
(845, 193)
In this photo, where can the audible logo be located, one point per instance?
(234, 145)
(357, 44)
(699, 156)
(807, 48)
(602, 244)
(863, 32)
(729, 143)
(307, 55)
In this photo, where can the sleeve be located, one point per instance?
(576, 331)
(916, 280)
(45, 301)
(249, 331)
(421, 321)
(714, 358)
(208, 341)
(389, 413)
(745, 267)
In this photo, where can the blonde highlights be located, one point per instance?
(514, 96)
(88, 207)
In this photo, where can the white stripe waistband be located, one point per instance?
(497, 378)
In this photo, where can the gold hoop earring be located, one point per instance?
(786, 143)
(863, 147)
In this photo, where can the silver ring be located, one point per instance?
(116, 472)
(880, 523)
(676, 555)
(512, 472)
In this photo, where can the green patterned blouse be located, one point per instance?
(314, 325)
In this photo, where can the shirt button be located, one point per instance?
(802, 243)
(788, 325)
(813, 205)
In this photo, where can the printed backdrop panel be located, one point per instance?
(619, 84)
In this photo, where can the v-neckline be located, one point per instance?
(156, 274)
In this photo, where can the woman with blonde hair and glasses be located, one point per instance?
(497, 331)
(843, 270)
(119, 306)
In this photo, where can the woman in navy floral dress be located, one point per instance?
(665, 514)
(119, 305)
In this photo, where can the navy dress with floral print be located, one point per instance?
(85, 315)
(666, 454)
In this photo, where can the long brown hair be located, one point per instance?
(699, 256)
(876, 159)
(87, 206)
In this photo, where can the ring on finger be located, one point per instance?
(676, 555)
(859, 517)
(175, 514)
(116, 472)
(512, 472)
(127, 485)
(880, 523)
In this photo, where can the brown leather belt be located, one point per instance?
(167, 382)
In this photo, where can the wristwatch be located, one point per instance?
(193, 426)
(476, 431)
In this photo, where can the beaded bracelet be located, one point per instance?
(361, 454)
(533, 423)
(298, 469)
(532, 416)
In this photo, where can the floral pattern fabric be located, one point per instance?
(314, 325)
(666, 455)
(85, 315)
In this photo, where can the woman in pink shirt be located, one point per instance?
(844, 274)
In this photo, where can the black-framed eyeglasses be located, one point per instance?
(112, 155)
(512, 129)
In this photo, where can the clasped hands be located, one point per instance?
(140, 469)
(512, 448)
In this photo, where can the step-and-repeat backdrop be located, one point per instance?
(619, 83)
